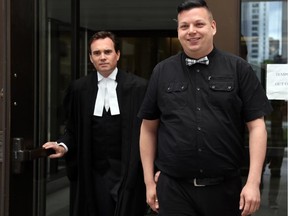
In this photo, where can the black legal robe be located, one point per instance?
(79, 105)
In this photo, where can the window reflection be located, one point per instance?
(264, 33)
(139, 55)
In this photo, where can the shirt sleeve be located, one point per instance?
(149, 108)
(255, 101)
(64, 146)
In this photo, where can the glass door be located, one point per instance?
(58, 79)
(37, 64)
(57, 64)
(264, 42)
(21, 155)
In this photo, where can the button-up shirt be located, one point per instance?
(202, 111)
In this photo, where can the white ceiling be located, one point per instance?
(118, 14)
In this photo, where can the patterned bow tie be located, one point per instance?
(203, 60)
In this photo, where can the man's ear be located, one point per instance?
(90, 57)
(214, 27)
(118, 54)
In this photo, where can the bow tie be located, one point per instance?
(203, 60)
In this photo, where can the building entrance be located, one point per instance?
(43, 47)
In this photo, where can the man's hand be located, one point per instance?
(151, 194)
(59, 150)
(151, 197)
(249, 199)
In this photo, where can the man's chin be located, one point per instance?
(105, 71)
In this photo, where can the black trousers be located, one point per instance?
(182, 198)
(106, 186)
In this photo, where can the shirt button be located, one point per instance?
(197, 70)
(199, 150)
(198, 89)
(201, 170)
(199, 128)
(198, 108)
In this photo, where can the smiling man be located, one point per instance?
(195, 111)
(196, 29)
(101, 140)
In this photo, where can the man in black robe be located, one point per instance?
(101, 140)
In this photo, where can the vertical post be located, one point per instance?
(4, 106)
(75, 46)
(231, 25)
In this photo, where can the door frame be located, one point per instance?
(4, 106)
(22, 185)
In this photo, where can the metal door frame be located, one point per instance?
(4, 106)
(23, 69)
(19, 106)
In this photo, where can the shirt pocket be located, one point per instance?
(221, 91)
(175, 95)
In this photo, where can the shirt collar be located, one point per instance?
(210, 55)
(111, 76)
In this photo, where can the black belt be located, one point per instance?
(202, 182)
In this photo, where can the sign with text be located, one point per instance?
(277, 81)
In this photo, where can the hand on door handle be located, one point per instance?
(22, 153)
(59, 151)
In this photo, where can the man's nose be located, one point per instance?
(191, 29)
(102, 56)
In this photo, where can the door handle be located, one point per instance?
(26, 155)
(22, 154)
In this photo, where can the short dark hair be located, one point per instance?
(189, 4)
(103, 35)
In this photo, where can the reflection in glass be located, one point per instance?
(264, 41)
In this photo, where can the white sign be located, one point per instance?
(277, 81)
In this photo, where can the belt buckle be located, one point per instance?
(197, 185)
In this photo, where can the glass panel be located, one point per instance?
(264, 41)
(128, 15)
(58, 78)
(139, 55)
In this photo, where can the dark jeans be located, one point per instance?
(181, 198)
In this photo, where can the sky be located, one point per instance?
(275, 19)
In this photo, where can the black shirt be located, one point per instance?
(202, 111)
